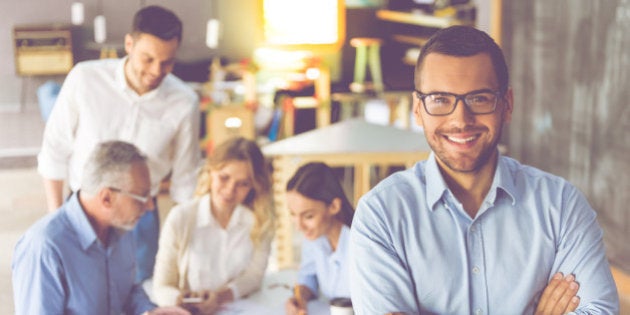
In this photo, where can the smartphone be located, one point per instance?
(192, 300)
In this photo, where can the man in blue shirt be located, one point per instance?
(80, 260)
(469, 231)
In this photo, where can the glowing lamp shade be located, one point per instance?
(233, 123)
(304, 23)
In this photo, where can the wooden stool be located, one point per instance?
(367, 54)
(108, 52)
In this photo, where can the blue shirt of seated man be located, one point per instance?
(60, 267)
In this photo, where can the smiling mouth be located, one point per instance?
(461, 140)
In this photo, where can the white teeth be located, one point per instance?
(459, 140)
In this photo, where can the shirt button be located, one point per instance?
(478, 311)
(473, 228)
(475, 269)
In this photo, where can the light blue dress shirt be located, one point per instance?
(321, 268)
(414, 249)
(60, 267)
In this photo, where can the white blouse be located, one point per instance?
(196, 253)
(219, 255)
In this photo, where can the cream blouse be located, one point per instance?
(196, 253)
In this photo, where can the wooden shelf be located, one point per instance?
(407, 30)
(418, 19)
(411, 40)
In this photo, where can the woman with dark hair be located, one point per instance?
(322, 212)
(214, 249)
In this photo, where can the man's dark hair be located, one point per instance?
(464, 41)
(157, 21)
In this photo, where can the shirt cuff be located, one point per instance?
(310, 286)
(235, 293)
(51, 170)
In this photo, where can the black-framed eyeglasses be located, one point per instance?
(142, 199)
(444, 103)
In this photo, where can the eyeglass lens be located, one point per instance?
(445, 103)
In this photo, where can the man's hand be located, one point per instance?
(560, 296)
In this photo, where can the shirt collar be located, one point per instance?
(205, 217)
(121, 81)
(502, 180)
(437, 188)
(79, 221)
(339, 253)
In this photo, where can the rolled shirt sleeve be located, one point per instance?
(58, 138)
(581, 252)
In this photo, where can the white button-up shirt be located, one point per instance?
(218, 255)
(95, 104)
(196, 253)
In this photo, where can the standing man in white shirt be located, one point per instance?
(133, 99)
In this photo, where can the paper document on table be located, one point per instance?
(245, 306)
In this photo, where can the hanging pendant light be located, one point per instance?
(100, 29)
(212, 33)
(77, 13)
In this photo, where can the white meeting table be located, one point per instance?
(270, 299)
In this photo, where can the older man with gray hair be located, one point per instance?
(80, 260)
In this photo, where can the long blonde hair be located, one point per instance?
(259, 198)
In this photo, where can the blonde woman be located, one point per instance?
(214, 249)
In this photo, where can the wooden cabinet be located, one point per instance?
(43, 49)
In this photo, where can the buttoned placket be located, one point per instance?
(476, 258)
(224, 237)
(336, 266)
(131, 125)
(106, 252)
(474, 251)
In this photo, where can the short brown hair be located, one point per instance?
(465, 41)
(157, 21)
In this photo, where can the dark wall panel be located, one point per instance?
(570, 70)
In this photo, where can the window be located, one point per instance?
(304, 24)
